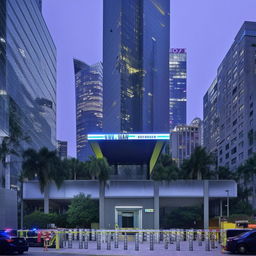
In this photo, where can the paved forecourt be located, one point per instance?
(144, 250)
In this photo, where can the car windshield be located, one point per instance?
(244, 234)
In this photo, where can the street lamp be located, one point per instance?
(227, 191)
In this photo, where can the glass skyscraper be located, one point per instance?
(89, 105)
(178, 87)
(27, 75)
(135, 64)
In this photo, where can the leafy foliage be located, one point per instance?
(39, 220)
(44, 165)
(83, 211)
(99, 168)
(183, 217)
(165, 169)
(198, 166)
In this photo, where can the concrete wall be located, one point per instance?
(146, 203)
(8, 209)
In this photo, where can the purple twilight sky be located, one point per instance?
(205, 27)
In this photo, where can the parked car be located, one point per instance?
(10, 242)
(242, 243)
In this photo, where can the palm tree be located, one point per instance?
(198, 165)
(165, 169)
(46, 166)
(73, 168)
(247, 175)
(100, 169)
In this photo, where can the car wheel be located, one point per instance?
(242, 249)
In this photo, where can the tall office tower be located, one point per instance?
(211, 119)
(135, 65)
(27, 89)
(235, 115)
(184, 139)
(62, 149)
(178, 87)
(89, 101)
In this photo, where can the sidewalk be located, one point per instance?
(159, 250)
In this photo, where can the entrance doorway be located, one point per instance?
(128, 220)
(128, 216)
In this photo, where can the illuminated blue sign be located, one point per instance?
(126, 136)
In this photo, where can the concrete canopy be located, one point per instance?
(128, 149)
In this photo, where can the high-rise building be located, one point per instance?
(184, 139)
(27, 85)
(62, 149)
(178, 87)
(229, 105)
(135, 65)
(89, 105)
(211, 119)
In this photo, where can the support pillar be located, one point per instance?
(206, 204)
(156, 205)
(102, 203)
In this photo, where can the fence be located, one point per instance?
(109, 239)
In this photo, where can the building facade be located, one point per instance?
(62, 149)
(184, 139)
(178, 87)
(89, 105)
(233, 111)
(135, 64)
(27, 87)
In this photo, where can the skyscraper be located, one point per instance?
(178, 87)
(62, 149)
(184, 139)
(135, 65)
(89, 101)
(229, 104)
(27, 88)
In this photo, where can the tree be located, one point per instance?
(100, 169)
(247, 176)
(82, 211)
(11, 145)
(198, 165)
(183, 217)
(225, 174)
(165, 169)
(45, 166)
(74, 169)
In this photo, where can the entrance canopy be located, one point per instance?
(128, 149)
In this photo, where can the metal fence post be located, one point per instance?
(116, 238)
(125, 242)
(178, 241)
(151, 241)
(137, 242)
(199, 237)
(80, 243)
(190, 241)
(109, 241)
(98, 237)
(70, 235)
(86, 240)
(165, 241)
(206, 238)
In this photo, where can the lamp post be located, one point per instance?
(227, 191)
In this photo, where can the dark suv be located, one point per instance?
(10, 242)
(243, 243)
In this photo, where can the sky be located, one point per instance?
(206, 28)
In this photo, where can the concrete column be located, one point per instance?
(156, 205)
(102, 204)
(46, 198)
(7, 170)
(221, 213)
(206, 204)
